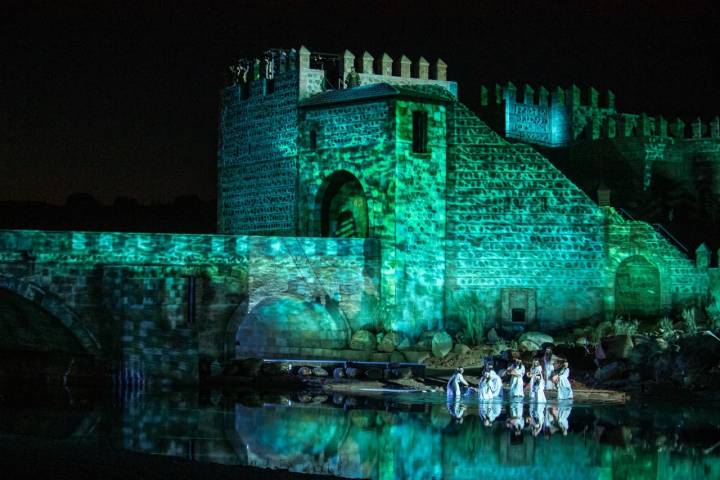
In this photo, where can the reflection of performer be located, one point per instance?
(563, 418)
(537, 418)
(457, 410)
(515, 421)
(537, 385)
(564, 388)
(489, 411)
(516, 372)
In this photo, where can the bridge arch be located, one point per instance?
(55, 306)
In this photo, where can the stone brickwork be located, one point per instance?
(521, 236)
(127, 297)
(256, 156)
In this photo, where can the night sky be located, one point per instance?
(121, 99)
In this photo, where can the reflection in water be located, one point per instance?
(400, 438)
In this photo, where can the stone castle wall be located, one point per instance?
(126, 296)
(257, 156)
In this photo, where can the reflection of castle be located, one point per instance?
(469, 227)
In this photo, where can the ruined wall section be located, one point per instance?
(521, 236)
(129, 295)
(682, 281)
(257, 156)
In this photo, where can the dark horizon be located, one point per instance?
(121, 100)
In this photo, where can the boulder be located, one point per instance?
(611, 371)
(528, 346)
(352, 372)
(413, 356)
(424, 341)
(246, 367)
(389, 342)
(442, 344)
(397, 357)
(538, 338)
(363, 340)
(617, 347)
(492, 336)
(338, 373)
(319, 372)
(404, 344)
(461, 349)
(277, 368)
(305, 371)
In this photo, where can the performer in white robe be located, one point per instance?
(548, 369)
(537, 385)
(516, 372)
(564, 388)
(454, 383)
(490, 387)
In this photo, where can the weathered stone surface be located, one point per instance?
(404, 344)
(492, 336)
(528, 346)
(277, 368)
(617, 347)
(442, 344)
(389, 342)
(397, 357)
(424, 341)
(611, 371)
(338, 373)
(461, 349)
(247, 367)
(536, 337)
(319, 372)
(305, 371)
(352, 372)
(415, 356)
(363, 340)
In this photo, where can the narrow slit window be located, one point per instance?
(269, 86)
(313, 139)
(518, 315)
(419, 132)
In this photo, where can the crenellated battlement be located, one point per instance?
(560, 116)
(317, 72)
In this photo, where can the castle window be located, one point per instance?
(518, 315)
(313, 139)
(269, 86)
(419, 132)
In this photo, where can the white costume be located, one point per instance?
(516, 413)
(537, 390)
(548, 369)
(489, 411)
(491, 388)
(564, 388)
(537, 417)
(453, 385)
(516, 381)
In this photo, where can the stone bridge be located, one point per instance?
(158, 305)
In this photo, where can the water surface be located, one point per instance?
(411, 436)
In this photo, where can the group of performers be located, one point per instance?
(541, 377)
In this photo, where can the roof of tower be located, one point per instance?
(376, 91)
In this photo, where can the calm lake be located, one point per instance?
(403, 436)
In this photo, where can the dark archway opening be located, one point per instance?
(637, 288)
(343, 207)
